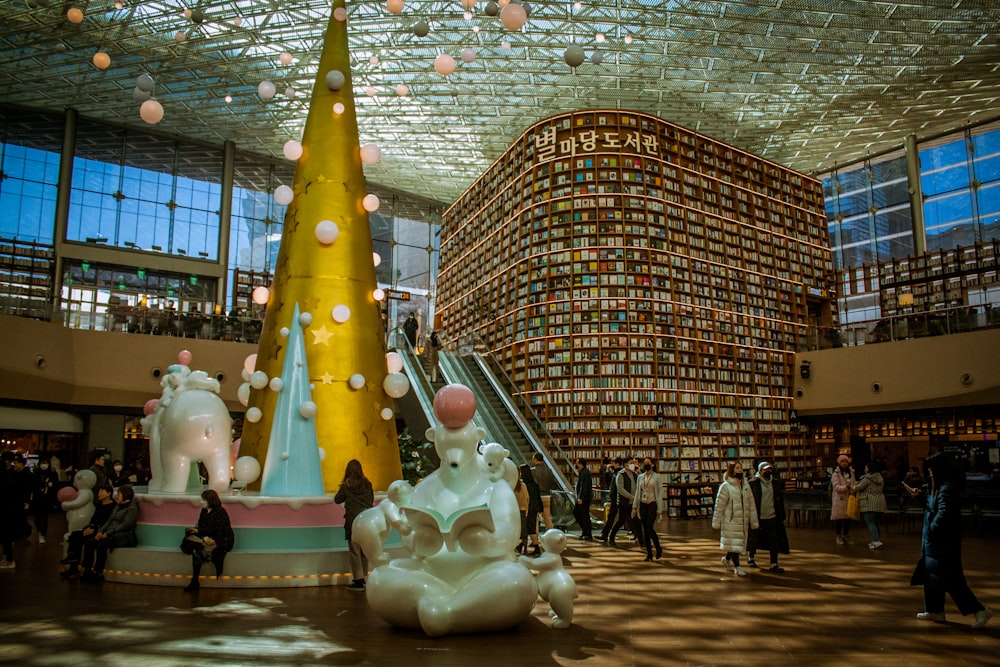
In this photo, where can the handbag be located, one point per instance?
(853, 507)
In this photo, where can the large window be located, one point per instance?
(30, 144)
(257, 220)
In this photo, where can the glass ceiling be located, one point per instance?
(806, 83)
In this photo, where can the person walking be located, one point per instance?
(841, 483)
(584, 496)
(356, 495)
(769, 502)
(871, 499)
(735, 514)
(648, 507)
(612, 515)
(546, 482)
(43, 497)
(939, 569)
(625, 488)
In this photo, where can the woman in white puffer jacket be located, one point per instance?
(735, 514)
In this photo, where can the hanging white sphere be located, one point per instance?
(258, 379)
(307, 409)
(505, 45)
(250, 364)
(305, 319)
(340, 13)
(574, 55)
(243, 393)
(402, 90)
(245, 375)
(327, 231)
(468, 55)
(370, 91)
(254, 414)
(283, 195)
(102, 60)
(513, 16)
(151, 111)
(246, 469)
(292, 149)
(260, 295)
(373, 60)
(144, 82)
(394, 6)
(393, 362)
(378, 294)
(386, 414)
(341, 313)
(74, 15)
(285, 58)
(371, 203)
(335, 79)
(338, 108)
(290, 93)
(357, 381)
(467, 16)
(266, 90)
(376, 258)
(396, 385)
(276, 384)
(371, 153)
(283, 332)
(228, 99)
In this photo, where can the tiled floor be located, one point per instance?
(835, 605)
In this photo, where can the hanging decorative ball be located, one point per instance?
(250, 362)
(513, 16)
(370, 153)
(243, 393)
(420, 28)
(373, 60)
(402, 90)
(386, 414)
(628, 39)
(357, 381)
(258, 379)
(292, 149)
(283, 332)
(599, 37)
(394, 6)
(327, 231)
(139, 95)
(283, 195)
(467, 16)
(290, 93)
(393, 362)
(378, 294)
(340, 13)
(228, 99)
(246, 469)
(525, 6)
(144, 82)
(285, 58)
(151, 111)
(468, 4)
(396, 385)
(376, 258)
(102, 60)
(254, 414)
(597, 57)
(260, 295)
(180, 36)
(444, 64)
(338, 108)
(491, 9)
(266, 90)
(335, 79)
(74, 15)
(370, 203)
(468, 55)
(187, 13)
(197, 16)
(341, 313)
(574, 55)
(370, 91)
(238, 21)
(505, 45)
(276, 384)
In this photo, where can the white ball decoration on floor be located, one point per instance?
(468, 54)
(371, 203)
(151, 111)
(254, 415)
(574, 55)
(444, 64)
(513, 16)
(102, 60)
(396, 385)
(292, 149)
(371, 153)
(260, 295)
(357, 381)
(283, 195)
(335, 79)
(394, 6)
(327, 231)
(341, 313)
(266, 90)
(246, 469)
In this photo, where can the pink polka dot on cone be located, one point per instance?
(454, 405)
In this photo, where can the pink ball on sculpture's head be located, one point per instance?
(184, 357)
(150, 406)
(454, 405)
(66, 494)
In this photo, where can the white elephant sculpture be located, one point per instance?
(189, 424)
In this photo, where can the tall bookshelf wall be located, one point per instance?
(645, 285)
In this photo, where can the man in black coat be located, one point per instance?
(584, 496)
(769, 497)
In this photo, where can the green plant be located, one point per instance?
(417, 457)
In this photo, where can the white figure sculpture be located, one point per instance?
(80, 509)
(498, 465)
(461, 576)
(372, 527)
(189, 424)
(555, 585)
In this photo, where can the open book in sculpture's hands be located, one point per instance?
(451, 526)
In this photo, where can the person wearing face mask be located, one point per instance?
(648, 506)
(210, 540)
(625, 488)
(117, 531)
(769, 501)
(43, 496)
(734, 517)
(584, 496)
(841, 483)
(117, 476)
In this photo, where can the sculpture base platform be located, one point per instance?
(280, 543)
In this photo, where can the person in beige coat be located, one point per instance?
(735, 514)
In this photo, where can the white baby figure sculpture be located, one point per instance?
(80, 509)
(465, 527)
(371, 527)
(555, 585)
(498, 464)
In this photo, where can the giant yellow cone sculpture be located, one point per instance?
(323, 277)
